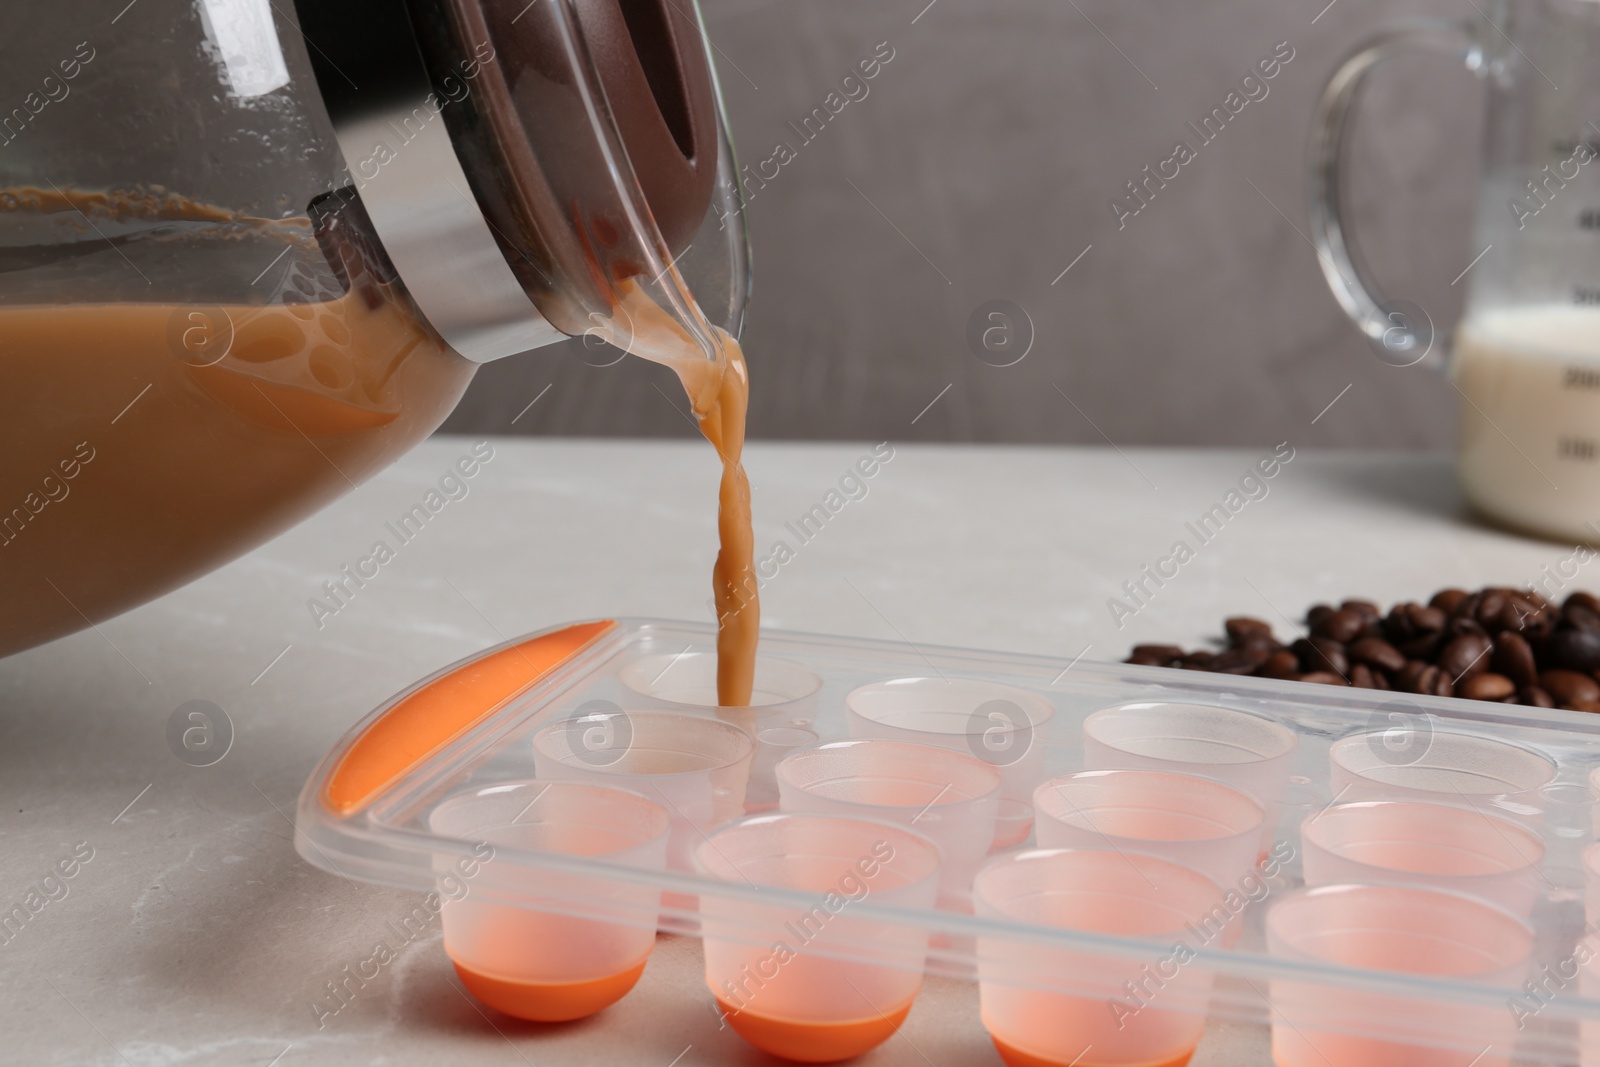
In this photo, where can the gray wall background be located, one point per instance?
(992, 143)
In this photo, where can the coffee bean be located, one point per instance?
(1513, 658)
(1267, 644)
(1465, 656)
(1493, 644)
(1377, 652)
(1582, 599)
(1405, 679)
(1577, 650)
(1240, 660)
(1520, 613)
(1569, 687)
(1432, 681)
(1341, 626)
(1487, 686)
(1490, 606)
(1579, 616)
(1322, 654)
(1535, 697)
(1429, 620)
(1365, 608)
(1397, 625)
(1241, 626)
(1281, 664)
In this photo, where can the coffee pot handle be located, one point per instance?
(1400, 333)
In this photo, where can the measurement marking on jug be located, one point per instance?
(921, 13)
(1324, 11)
(273, 664)
(1071, 665)
(932, 402)
(524, 11)
(281, 1055)
(1102, 433)
(899, 231)
(1113, 44)
(1474, 263)
(1579, 448)
(1332, 402)
(132, 402)
(1480, 1055)
(532, 402)
(1074, 263)
(124, 11)
(131, 803)
(686, 1048)
(73, 1006)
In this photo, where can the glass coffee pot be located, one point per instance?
(251, 252)
(1525, 357)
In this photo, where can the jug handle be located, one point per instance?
(1392, 329)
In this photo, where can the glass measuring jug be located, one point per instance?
(1525, 358)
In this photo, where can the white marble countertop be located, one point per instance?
(195, 934)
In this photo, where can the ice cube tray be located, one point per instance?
(367, 810)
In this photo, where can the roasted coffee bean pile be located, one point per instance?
(1507, 645)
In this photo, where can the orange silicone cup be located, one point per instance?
(1047, 1006)
(1003, 725)
(1442, 767)
(1250, 752)
(791, 979)
(948, 796)
(1401, 929)
(1429, 845)
(513, 932)
(695, 766)
(1194, 822)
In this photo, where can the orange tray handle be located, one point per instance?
(421, 723)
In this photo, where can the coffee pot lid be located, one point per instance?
(521, 160)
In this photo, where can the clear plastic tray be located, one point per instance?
(370, 810)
